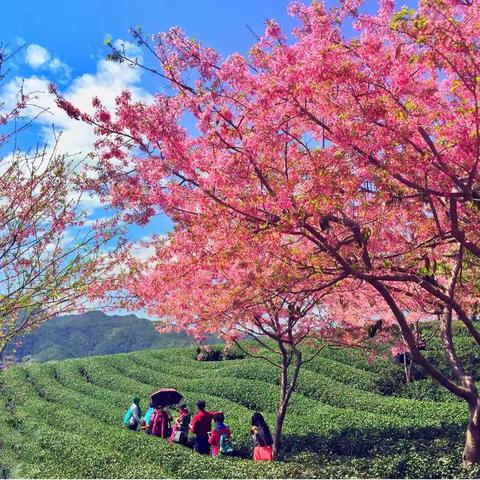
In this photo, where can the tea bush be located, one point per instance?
(64, 419)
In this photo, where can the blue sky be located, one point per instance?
(75, 30)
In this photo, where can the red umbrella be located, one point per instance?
(165, 397)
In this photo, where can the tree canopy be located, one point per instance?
(347, 166)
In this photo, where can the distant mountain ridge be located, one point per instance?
(91, 333)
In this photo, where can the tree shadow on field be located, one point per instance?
(367, 443)
(241, 451)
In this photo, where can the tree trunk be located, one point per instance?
(286, 390)
(467, 390)
(407, 367)
(471, 452)
(282, 403)
(277, 435)
(3, 346)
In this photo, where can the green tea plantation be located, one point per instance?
(348, 418)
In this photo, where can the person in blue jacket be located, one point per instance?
(133, 414)
(147, 417)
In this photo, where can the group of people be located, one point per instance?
(215, 440)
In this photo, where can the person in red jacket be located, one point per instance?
(220, 438)
(200, 427)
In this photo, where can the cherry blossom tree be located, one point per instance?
(48, 256)
(232, 287)
(366, 149)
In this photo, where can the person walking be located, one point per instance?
(180, 427)
(220, 438)
(200, 427)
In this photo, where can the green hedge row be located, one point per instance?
(78, 439)
(63, 419)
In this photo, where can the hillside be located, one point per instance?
(63, 419)
(92, 333)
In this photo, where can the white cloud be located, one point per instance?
(106, 83)
(90, 202)
(90, 222)
(36, 56)
(62, 70)
(56, 65)
(142, 249)
(109, 80)
(39, 57)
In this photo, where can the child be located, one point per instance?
(220, 437)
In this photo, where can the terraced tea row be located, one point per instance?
(63, 419)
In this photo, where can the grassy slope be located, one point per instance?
(63, 419)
